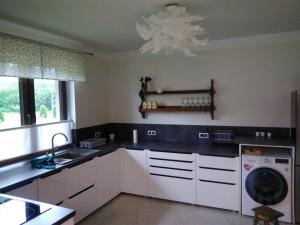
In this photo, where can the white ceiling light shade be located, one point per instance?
(171, 29)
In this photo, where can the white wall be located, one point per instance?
(91, 96)
(253, 85)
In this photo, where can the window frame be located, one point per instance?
(27, 102)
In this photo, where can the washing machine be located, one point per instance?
(267, 180)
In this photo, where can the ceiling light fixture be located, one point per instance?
(171, 29)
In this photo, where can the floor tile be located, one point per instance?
(135, 210)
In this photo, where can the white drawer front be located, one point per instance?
(80, 177)
(181, 190)
(172, 172)
(217, 162)
(217, 195)
(217, 175)
(172, 164)
(174, 156)
(83, 203)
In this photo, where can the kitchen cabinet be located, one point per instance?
(83, 203)
(218, 182)
(80, 177)
(134, 172)
(29, 191)
(172, 176)
(52, 189)
(69, 222)
(108, 182)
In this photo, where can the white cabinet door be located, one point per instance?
(83, 203)
(52, 189)
(108, 182)
(134, 172)
(172, 176)
(218, 180)
(80, 177)
(29, 191)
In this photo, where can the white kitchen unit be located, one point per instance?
(172, 176)
(69, 222)
(218, 182)
(134, 171)
(80, 177)
(83, 203)
(52, 189)
(108, 182)
(29, 191)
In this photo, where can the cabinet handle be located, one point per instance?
(186, 153)
(161, 175)
(172, 160)
(135, 149)
(216, 182)
(171, 168)
(78, 193)
(58, 204)
(212, 168)
(221, 156)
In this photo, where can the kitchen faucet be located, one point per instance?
(52, 141)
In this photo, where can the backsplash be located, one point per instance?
(168, 133)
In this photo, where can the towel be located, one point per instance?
(46, 162)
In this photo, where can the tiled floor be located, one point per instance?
(134, 210)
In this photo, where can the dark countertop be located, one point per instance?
(56, 215)
(251, 140)
(22, 173)
(203, 149)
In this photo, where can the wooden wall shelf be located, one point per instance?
(211, 108)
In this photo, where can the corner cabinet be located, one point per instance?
(108, 184)
(134, 172)
(210, 108)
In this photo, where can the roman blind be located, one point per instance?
(25, 58)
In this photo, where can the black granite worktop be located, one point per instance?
(56, 215)
(22, 173)
(203, 149)
(251, 140)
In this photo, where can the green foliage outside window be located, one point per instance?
(2, 118)
(43, 111)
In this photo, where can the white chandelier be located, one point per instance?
(171, 29)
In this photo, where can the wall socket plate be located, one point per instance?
(151, 132)
(97, 134)
(203, 135)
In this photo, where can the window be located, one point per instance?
(46, 96)
(28, 101)
(9, 102)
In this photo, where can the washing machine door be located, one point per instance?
(266, 186)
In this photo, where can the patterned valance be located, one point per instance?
(25, 58)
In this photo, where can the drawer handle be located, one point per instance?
(58, 204)
(173, 160)
(212, 168)
(223, 156)
(171, 168)
(161, 175)
(216, 182)
(185, 153)
(78, 193)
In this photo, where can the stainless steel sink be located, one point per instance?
(68, 155)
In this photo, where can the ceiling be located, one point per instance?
(109, 25)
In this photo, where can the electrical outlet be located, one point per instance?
(203, 135)
(151, 132)
(97, 134)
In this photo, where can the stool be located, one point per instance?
(266, 215)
